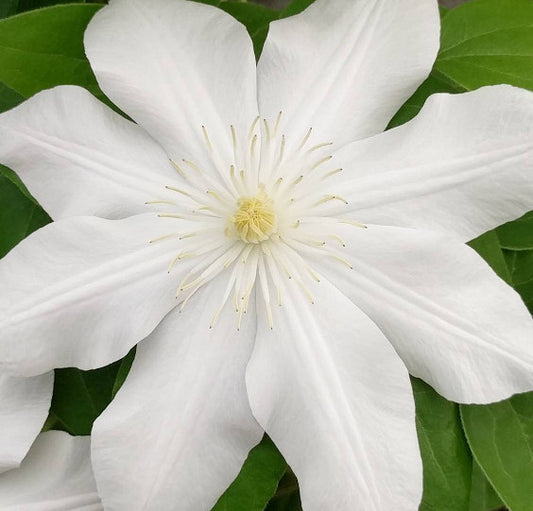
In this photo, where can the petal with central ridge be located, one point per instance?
(344, 67)
(180, 428)
(82, 291)
(336, 399)
(464, 165)
(174, 66)
(78, 157)
(453, 321)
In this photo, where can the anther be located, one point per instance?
(306, 138)
(180, 171)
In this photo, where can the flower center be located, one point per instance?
(255, 218)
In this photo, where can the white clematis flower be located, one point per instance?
(55, 475)
(313, 259)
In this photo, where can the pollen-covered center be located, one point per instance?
(255, 218)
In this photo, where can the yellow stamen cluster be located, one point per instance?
(255, 219)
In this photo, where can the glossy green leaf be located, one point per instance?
(488, 246)
(517, 235)
(19, 215)
(81, 396)
(501, 438)
(257, 481)
(44, 48)
(445, 455)
(488, 42)
(482, 496)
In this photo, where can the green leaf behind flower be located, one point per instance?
(257, 481)
(501, 438)
(44, 48)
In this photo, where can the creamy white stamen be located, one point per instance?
(255, 217)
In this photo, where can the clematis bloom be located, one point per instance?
(281, 262)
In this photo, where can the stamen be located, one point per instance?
(165, 237)
(277, 123)
(313, 274)
(252, 127)
(352, 222)
(170, 215)
(233, 136)
(305, 139)
(187, 235)
(341, 259)
(319, 146)
(180, 171)
(206, 138)
(161, 202)
(321, 161)
(193, 166)
(339, 239)
(252, 145)
(328, 198)
(267, 129)
(332, 173)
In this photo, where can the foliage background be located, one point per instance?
(476, 458)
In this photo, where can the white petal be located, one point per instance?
(82, 291)
(463, 165)
(55, 476)
(453, 321)
(78, 157)
(181, 427)
(336, 399)
(24, 404)
(175, 66)
(344, 67)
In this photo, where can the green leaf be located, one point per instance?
(520, 264)
(44, 48)
(488, 246)
(482, 497)
(257, 481)
(19, 215)
(28, 5)
(501, 438)
(9, 98)
(8, 8)
(123, 371)
(488, 42)
(81, 396)
(517, 235)
(295, 7)
(445, 455)
(255, 18)
(287, 497)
